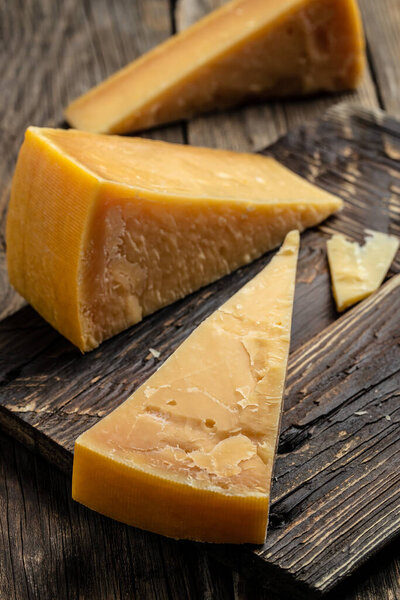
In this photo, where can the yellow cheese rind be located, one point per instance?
(52, 200)
(157, 504)
(103, 230)
(358, 271)
(247, 49)
(190, 453)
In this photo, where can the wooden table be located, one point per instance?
(50, 52)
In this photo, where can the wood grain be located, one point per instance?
(50, 51)
(383, 35)
(77, 554)
(74, 553)
(50, 393)
(343, 387)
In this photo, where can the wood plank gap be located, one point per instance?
(172, 4)
(374, 77)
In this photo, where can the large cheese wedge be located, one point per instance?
(357, 271)
(190, 454)
(103, 230)
(246, 50)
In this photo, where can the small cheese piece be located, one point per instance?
(190, 453)
(357, 271)
(246, 50)
(103, 230)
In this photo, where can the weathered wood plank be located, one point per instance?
(383, 33)
(75, 553)
(50, 393)
(253, 127)
(54, 548)
(52, 51)
(336, 492)
(342, 388)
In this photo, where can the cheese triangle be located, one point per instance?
(246, 50)
(190, 454)
(357, 271)
(104, 230)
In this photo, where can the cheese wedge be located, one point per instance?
(104, 230)
(190, 454)
(246, 50)
(357, 271)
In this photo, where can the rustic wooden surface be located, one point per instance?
(51, 51)
(333, 503)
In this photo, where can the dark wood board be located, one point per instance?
(335, 494)
(75, 554)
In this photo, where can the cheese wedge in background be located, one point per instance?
(104, 230)
(246, 50)
(190, 454)
(357, 271)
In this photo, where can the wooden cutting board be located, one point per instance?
(336, 491)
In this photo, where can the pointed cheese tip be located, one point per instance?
(333, 204)
(337, 204)
(73, 116)
(292, 238)
(32, 130)
(291, 243)
(68, 114)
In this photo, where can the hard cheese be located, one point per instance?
(248, 49)
(357, 271)
(190, 453)
(103, 230)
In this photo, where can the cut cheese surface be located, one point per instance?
(103, 230)
(190, 453)
(247, 49)
(357, 271)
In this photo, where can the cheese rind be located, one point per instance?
(190, 453)
(247, 49)
(357, 271)
(103, 230)
(50, 208)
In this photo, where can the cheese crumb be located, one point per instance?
(357, 271)
(154, 353)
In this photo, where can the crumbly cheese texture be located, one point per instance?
(190, 454)
(246, 50)
(357, 271)
(103, 230)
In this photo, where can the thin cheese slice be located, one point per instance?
(190, 453)
(357, 271)
(104, 230)
(248, 49)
